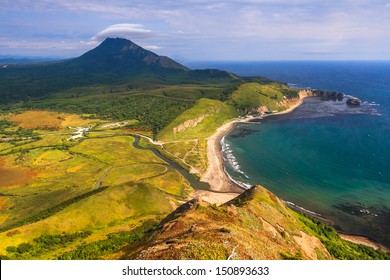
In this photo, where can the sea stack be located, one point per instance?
(353, 101)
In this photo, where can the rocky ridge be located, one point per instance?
(254, 225)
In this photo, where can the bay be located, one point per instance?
(325, 156)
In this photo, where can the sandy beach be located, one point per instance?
(215, 174)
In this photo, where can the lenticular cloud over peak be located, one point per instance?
(123, 30)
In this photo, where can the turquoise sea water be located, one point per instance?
(326, 157)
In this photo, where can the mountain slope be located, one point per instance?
(255, 225)
(116, 54)
(114, 61)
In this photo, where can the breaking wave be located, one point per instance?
(304, 210)
(231, 160)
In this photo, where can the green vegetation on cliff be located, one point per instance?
(339, 249)
(250, 96)
(201, 121)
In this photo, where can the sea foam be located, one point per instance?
(304, 210)
(228, 157)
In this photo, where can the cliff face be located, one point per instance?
(305, 93)
(255, 225)
(189, 123)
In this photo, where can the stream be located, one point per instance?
(193, 181)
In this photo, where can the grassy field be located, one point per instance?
(13, 175)
(120, 205)
(106, 150)
(56, 179)
(192, 154)
(47, 120)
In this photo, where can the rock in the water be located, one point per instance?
(353, 101)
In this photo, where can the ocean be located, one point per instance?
(326, 157)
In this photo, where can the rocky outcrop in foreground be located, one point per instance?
(255, 225)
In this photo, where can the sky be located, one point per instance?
(201, 30)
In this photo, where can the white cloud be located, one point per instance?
(213, 29)
(152, 48)
(129, 31)
(114, 9)
(42, 47)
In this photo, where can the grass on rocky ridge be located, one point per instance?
(250, 96)
(257, 226)
(336, 246)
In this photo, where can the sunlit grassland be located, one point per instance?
(47, 119)
(116, 125)
(180, 149)
(197, 157)
(171, 183)
(11, 174)
(138, 185)
(119, 205)
(192, 153)
(253, 95)
(47, 141)
(116, 151)
(134, 172)
(5, 146)
(57, 169)
(53, 181)
(38, 129)
(51, 157)
(96, 236)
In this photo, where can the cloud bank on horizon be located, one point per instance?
(201, 29)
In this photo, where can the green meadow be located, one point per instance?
(98, 184)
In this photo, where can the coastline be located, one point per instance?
(215, 174)
(363, 241)
(223, 187)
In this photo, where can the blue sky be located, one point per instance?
(200, 29)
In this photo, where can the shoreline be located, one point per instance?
(362, 240)
(219, 181)
(215, 174)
